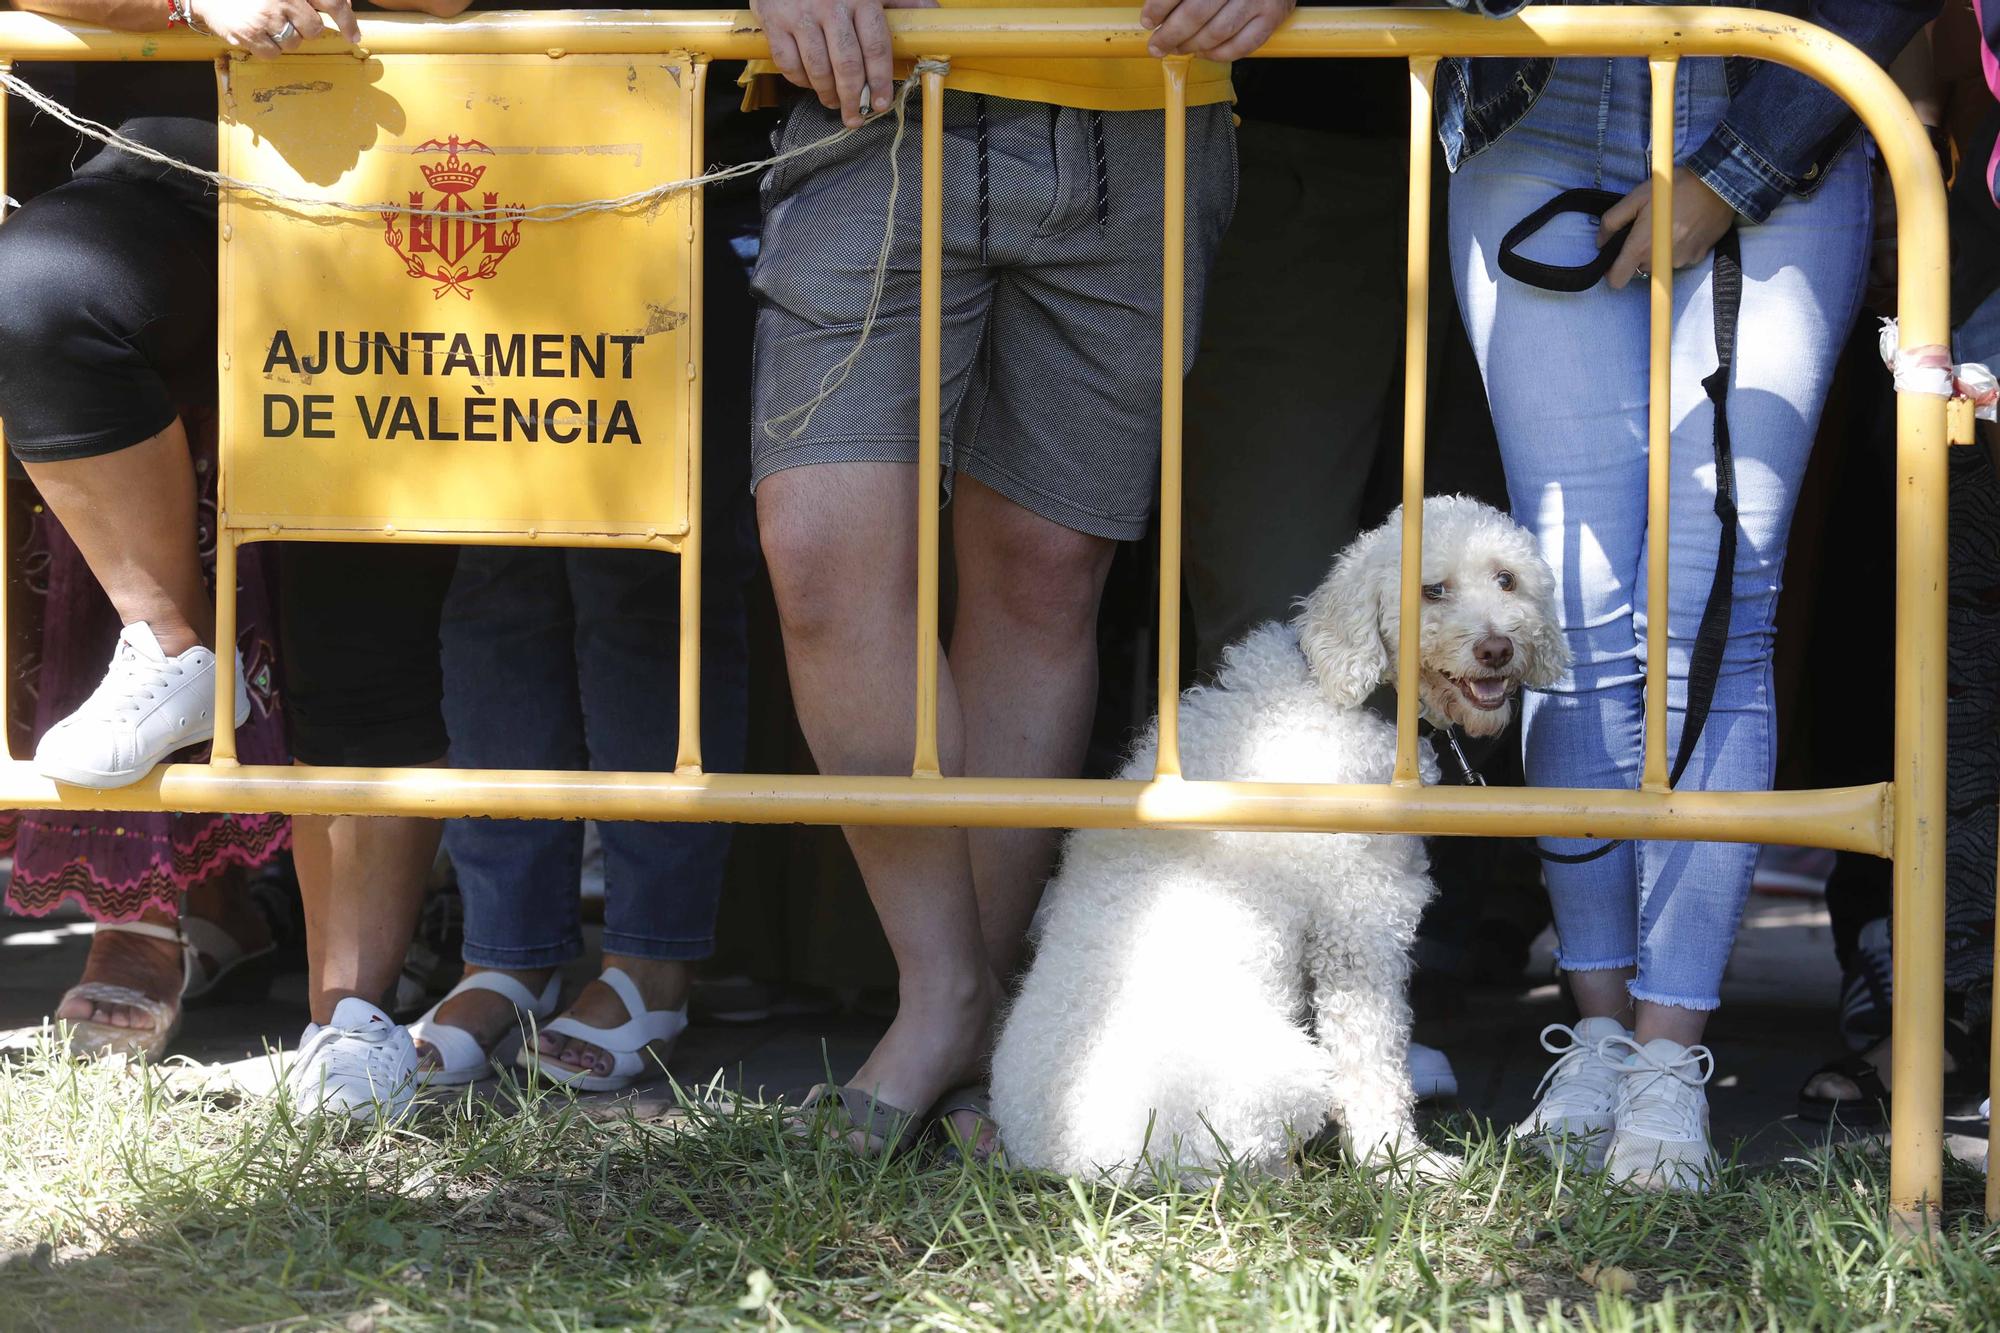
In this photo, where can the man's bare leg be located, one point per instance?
(362, 882)
(839, 539)
(1024, 657)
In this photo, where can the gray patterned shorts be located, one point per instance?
(1051, 353)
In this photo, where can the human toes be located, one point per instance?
(582, 1055)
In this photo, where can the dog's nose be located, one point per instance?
(1495, 651)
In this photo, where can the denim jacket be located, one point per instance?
(1782, 131)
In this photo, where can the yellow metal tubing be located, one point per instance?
(1647, 32)
(1555, 31)
(687, 757)
(930, 359)
(1916, 1163)
(222, 749)
(1659, 424)
(1416, 365)
(1173, 310)
(1846, 818)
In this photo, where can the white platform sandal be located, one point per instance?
(91, 1040)
(628, 1043)
(465, 1060)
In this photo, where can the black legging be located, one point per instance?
(107, 324)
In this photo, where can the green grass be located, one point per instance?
(126, 1205)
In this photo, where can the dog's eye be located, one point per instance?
(1505, 578)
(1434, 592)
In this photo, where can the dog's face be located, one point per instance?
(1488, 623)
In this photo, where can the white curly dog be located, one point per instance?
(1199, 998)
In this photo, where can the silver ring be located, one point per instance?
(286, 33)
(1644, 274)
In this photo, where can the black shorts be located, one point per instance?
(364, 686)
(107, 322)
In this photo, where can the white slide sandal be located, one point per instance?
(465, 1060)
(628, 1043)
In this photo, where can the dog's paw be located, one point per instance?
(1411, 1162)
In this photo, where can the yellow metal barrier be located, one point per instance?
(1902, 818)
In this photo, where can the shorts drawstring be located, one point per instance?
(985, 191)
(1103, 173)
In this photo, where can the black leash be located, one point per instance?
(1705, 667)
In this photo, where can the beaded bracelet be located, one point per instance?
(180, 13)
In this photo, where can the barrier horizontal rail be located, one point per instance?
(1903, 818)
(1853, 819)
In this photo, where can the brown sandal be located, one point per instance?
(976, 1099)
(841, 1111)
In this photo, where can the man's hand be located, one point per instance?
(254, 25)
(1212, 29)
(836, 48)
(1700, 219)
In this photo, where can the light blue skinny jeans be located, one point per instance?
(1566, 376)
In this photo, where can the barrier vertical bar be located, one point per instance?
(1416, 387)
(688, 757)
(930, 342)
(222, 749)
(1173, 296)
(1659, 423)
(1916, 1117)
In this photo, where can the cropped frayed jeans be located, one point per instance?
(1567, 379)
(568, 659)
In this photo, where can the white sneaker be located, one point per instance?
(148, 706)
(1430, 1073)
(1662, 1138)
(1574, 1116)
(361, 1063)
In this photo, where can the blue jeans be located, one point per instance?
(568, 659)
(1567, 379)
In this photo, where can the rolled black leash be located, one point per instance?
(1705, 667)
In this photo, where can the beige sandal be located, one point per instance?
(90, 1040)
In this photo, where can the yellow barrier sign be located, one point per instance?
(440, 365)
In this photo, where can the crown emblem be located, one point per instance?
(448, 226)
(452, 176)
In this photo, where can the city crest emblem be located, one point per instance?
(451, 242)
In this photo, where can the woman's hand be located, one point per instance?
(1212, 29)
(255, 25)
(837, 48)
(1700, 219)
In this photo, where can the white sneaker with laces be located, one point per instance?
(148, 706)
(1662, 1138)
(362, 1063)
(1574, 1115)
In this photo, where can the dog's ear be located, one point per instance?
(1347, 625)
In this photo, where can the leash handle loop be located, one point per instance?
(1558, 277)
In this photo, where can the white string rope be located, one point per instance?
(830, 382)
(802, 414)
(305, 203)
